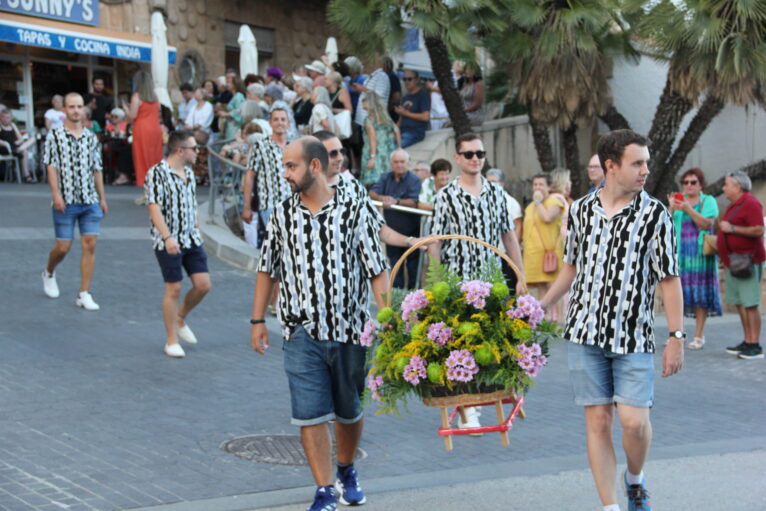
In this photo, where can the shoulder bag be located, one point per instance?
(550, 259)
(709, 241)
(740, 265)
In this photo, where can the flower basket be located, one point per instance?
(458, 343)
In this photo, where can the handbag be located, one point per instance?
(343, 124)
(550, 259)
(709, 244)
(740, 265)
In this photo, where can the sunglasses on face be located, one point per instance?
(409, 78)
(689, 182)
(192, 147)
(335, 152)
(468, 155)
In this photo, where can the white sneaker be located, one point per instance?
(697, 344)
(85, 300)
(174, 350)
(186, 334)
(472, 414)
(50, 286)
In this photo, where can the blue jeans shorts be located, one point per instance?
(193, 260)
(601, 377)
(326, 379)
(87, 215)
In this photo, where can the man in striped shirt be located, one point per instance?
(324, 247)
(620, 245)
(170, 191)
(75, 176)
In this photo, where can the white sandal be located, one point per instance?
(697, 344)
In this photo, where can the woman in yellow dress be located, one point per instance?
(542, 233)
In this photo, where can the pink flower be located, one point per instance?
(413, 302)
(527, 307)
(374, 383)
(476, 292)
(531, 359)
(461, 366)
(368, 334)
(415, 370)
(439, 333)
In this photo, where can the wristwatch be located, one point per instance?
(678, 334)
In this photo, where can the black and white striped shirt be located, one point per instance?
(177, 200)
(76, 160)
(266, 160)
(353, 189)
(487, 218)
(324, 263)
(619, 262)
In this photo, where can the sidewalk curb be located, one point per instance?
(220, 242)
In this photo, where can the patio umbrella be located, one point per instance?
(248, 52)
(331, 50)
(160, 59)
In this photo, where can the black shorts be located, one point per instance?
(193, 260)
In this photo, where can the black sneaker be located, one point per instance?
(735, 350)
(751, 351)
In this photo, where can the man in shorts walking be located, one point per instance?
(325, 249)
(620, 246)
(171, 194)
(73, 159)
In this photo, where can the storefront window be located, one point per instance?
(12, 85)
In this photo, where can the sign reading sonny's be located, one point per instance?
(84, 12)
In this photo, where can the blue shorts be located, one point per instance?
(600, 377)
(326, 379)
(193, 260)
(88, 215)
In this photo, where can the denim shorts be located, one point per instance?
(88, 215)
(326, 379)
(193, 260)
(601, 377)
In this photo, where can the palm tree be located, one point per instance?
(716, 54)
(454, 27)
(558, 54)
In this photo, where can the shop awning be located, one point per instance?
(56, 35)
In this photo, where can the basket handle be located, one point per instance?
(429, 239)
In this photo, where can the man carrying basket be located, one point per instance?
(620, 245)
(324, 247)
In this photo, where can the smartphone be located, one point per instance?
(679, 197)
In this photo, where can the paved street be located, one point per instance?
(94, 416)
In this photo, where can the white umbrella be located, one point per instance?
(160, 59)
(331, 50)
(248, 52)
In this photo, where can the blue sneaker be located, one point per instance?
(348, 488)
(324, 499)
(638, 497)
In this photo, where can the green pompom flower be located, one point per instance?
(524, 334)
(499, 290)
(466, 327)
(401, 363)
(381, 353)
(385, 315)
(435, 372)
(440, 291)
(418, 330)
(484, 356)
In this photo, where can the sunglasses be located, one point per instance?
(192, 147)
(689, 182)
(335, 152)
(409, 78)
(468, 155)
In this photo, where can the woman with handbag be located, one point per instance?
(740, 245)
(543, 244)
(693, 217)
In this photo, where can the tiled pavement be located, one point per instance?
(94, 416)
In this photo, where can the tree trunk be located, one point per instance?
(442, 68)
(710, 108)
(572, 159)
(756, 171)
(542, 145)
(665, 125)
(614, 119)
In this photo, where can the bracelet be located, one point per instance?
(166, 237)
(731, 228)
(409, 241)
(257, 321)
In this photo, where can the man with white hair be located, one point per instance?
(400, 187)
(316, 71)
